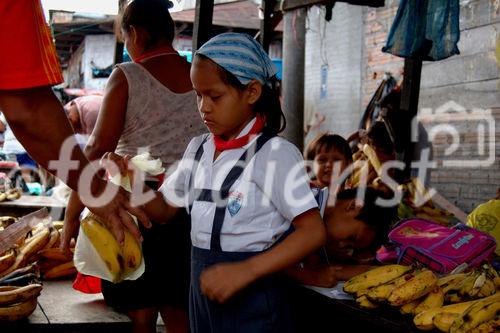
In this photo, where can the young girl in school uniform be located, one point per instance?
(244, 187)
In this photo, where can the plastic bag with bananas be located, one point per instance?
(98, 253)
(460, 302)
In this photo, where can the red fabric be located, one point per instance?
(28, 57)
(221, 144)
(87, 284)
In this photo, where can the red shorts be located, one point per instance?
(28, 57)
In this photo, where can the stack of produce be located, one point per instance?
(18, 302)
(11, 194)
(39, 247)
(416, 201)
(453, 303)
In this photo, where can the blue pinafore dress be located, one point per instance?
(262, 306)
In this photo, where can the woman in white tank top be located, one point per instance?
(149, 105)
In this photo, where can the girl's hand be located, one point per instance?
(326, 277)
(221, 282)
(114, 164)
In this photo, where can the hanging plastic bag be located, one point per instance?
(426, 30)
(114, 263)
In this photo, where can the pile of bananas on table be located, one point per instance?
(10, 194)
(457, 303)
(22, 268)
(41, 248)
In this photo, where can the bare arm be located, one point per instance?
(220, 282)
(104, 138)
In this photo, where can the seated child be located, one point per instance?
(353, 235)
(324, 151)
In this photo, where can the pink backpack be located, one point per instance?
(437, 247)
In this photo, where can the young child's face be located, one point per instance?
(222, 107)
(323, 165)
(347, 236)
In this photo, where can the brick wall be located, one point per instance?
(377, 23)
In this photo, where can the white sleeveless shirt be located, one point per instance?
(157, 120)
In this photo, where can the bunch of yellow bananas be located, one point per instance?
(18, 302)
(473, 298)
(120, 260)
(395, 285)
(11, 194)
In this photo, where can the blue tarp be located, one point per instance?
(425, 29)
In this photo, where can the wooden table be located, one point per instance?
(315, 312)
(61, 309)
(30, 203)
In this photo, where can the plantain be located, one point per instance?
(434, 299)
(487, 289)
(381, 293)
(443, 320)
(19, 294)
(424, 320)
(482, 311)
(105, 244)
(373, 158)
(416, 287)
(54, 254)
(60, 271)
(491, 326)
(7, 260)
(375, 277)
(27, 250)
(3, 196)
(451, 282)
(468, 284)
(132, 254)
(21, 280)
(53, 239)
(408, 308)
(18, 311)
(365, 303)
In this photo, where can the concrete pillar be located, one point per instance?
(294, 39)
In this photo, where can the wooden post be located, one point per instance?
(266, 25)
(202, 22)
(294, 37)
(119, 44)
(409, 101)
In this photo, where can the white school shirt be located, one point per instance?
(266, 212)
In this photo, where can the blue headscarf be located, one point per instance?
(240, 55)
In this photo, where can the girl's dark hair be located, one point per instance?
(378, 217)
(151, 15)
(268, 104)
(328, 142)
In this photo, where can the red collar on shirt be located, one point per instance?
(221, 144)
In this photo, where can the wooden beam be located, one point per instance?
(266, 25)
(296, 4)
(202, 28)
(410, 93)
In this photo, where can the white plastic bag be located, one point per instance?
(86, 259)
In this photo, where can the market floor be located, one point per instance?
(61, 309)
